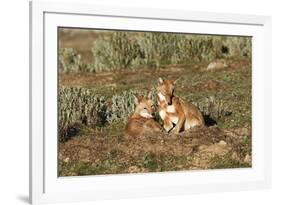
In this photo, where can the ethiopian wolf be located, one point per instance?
(141, 122)
(178, 115)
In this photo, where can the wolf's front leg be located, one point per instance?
(168, 125)
(179, 124)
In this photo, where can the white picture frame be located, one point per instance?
(46, 186)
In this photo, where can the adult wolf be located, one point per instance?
(178, 115)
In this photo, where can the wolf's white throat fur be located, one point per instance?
(145, 114)
(171, 109)
(162, 114)
(161, 97)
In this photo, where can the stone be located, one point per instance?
(248, 159)
(222, 143)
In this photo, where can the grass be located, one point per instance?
(232, 86)
(93, 148)
(225, 162)
(104, 153)
(229, 89)
(145, 163)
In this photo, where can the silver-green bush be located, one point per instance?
(115, 51)
(70, 61)
(124, 50)
(120, 50)
(123, 105)
(79, 106)
(214, 108)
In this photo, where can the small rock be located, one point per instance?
(134, 169)
(248, 159)
(60, 156)
(217, 64)
(179, 166)
(235, 156)
(202, 147)
(194, 168)
(222, 143)
(188, 158)
(66, 160)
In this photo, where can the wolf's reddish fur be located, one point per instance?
(178, 115)
(141, 122)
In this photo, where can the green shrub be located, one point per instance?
(123, 105)
(213, 108)
(122, 50)
(157, 48)
(79, 106)
(131, 50)
(70, 61)
(238, 46)
(165, 49)
(114, 51)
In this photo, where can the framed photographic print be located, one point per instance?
(129, 102)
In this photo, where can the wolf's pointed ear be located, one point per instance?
(175, 81)
(136, 99)
(160, 81)
(149, 95)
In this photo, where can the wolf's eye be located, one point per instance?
(144, 108)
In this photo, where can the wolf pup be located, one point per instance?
(141, 122)
(178, 115)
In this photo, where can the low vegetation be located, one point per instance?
(96, 98)
(124, 50)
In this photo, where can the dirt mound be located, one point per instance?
(199, 148)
